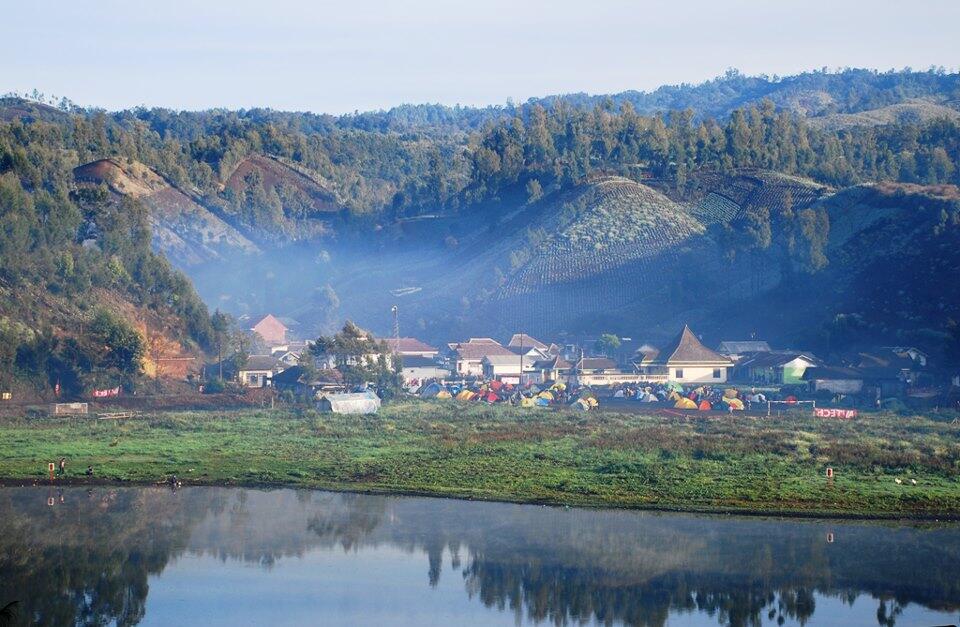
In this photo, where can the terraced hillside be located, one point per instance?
(720, 198)
(185, 231)
(612, 244)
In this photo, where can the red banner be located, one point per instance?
(826, 412)
(107, 393)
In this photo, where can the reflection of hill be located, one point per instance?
(89, 559)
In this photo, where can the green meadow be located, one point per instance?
(884, 465)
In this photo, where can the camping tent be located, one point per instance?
(705, 405)
(734, 403)
(685, 403)
(444, 394)
(431, 390)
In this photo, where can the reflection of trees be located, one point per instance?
(88, 560)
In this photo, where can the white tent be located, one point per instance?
(360, 403)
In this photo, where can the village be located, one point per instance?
(610, 371)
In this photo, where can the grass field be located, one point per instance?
(603, 459)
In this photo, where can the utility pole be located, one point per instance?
(396, 329)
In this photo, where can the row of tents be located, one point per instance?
(530, 395)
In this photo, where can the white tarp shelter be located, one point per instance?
(359, 403)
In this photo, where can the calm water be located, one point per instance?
(220, 556)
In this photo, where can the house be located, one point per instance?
(645, 354)
(917, 355)
(288, 358)
(687, 360)
(784, 368)
(418, 369)
(271, 330)
(258, 371)
(508, 368)
(555, 368)
(358, 403)
(524, 341)
(737, 349)
(308, 382)
(885, 363)
(409, 347)
(834, 379)
(467, 357)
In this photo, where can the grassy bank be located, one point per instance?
(728, 462)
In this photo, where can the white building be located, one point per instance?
(419, 369)
(687, 360)
(468, 356)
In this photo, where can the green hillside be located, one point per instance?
(565, 214)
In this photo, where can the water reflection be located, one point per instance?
(87, 556)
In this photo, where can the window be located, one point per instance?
(679, 373)
(716, 373)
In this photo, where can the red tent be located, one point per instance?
(705, 406)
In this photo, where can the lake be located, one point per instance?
(232, 556)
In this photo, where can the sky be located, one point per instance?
(338, 57)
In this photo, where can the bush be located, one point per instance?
(214, 386)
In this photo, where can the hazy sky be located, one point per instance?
(355, 54)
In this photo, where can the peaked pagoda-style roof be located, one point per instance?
(686, 349)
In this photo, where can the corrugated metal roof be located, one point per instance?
(738, 347)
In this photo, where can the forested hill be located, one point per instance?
(462, 210)
(422, 159)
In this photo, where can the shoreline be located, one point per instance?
(746, 512)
